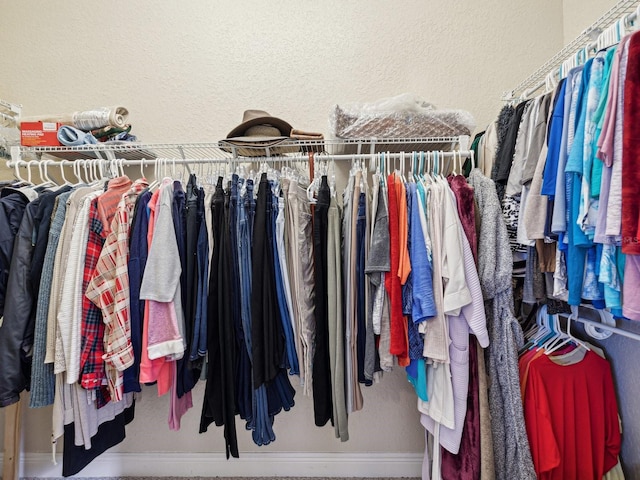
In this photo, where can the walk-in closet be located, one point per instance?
(335, 239)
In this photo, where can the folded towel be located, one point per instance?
(101, 117)
(302, 135)
(87, 120)
(72, 137)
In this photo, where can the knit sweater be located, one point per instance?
(510, 442)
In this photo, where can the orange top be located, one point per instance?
(404, 268)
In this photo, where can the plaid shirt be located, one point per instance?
(92, 329)
(109, 291)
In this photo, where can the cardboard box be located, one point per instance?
(38, 134)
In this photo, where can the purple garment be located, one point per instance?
(472, 318)
(465, 465)
(466, 209)
(600, 235)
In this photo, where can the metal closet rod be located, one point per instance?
(277, 159)
(602, 326)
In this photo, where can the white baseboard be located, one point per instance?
(248, 465)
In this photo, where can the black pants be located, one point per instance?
(219, 401)
(266, 328)
(322, 399)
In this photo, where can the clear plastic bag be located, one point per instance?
(403, 116)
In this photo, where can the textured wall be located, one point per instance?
(187, 70)
(624, 356)
(579, 14)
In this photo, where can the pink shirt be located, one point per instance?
(157, 369)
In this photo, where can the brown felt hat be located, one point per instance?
(259, 131)
(252, 118)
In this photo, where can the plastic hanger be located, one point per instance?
(16, 173)
(398, 171)
(113, 169)
(75, 168)
(568, 337)
(154, 184)
(558, 337)
(88, 171)
(62, 175)
(414, 161)
(332, 177)
(95, 178)
(93, 171)
(436, 163)
(457, 157)
(101, 172)
(312, 189)
(142, 169)
(44, 174)
(543, 326)
(29, 175)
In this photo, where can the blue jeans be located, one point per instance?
(199, 344)
(291, 360)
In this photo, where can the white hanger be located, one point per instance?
(403, 166)
(568, 337)
(113, 168)
(100, 170)
(156, 172)
(142, 168)
(332, 177)
(44, 174)
(388, 162)
(312, 189)
(454, 162)
(558, 335)
(543, 326)
(64, 179)
(16, 173)
(92, 171)
(96, 174)
(76, 167)
(29, 163)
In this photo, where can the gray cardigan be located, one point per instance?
(510, 442)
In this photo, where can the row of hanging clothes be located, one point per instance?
(564, 167)
(247, 280)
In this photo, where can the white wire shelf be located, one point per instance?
(224, 151)
(536, 79)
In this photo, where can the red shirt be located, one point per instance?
(399, 344)
(571, 415)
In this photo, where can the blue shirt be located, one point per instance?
(138, 252)
(554, 143)
(423, 305)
